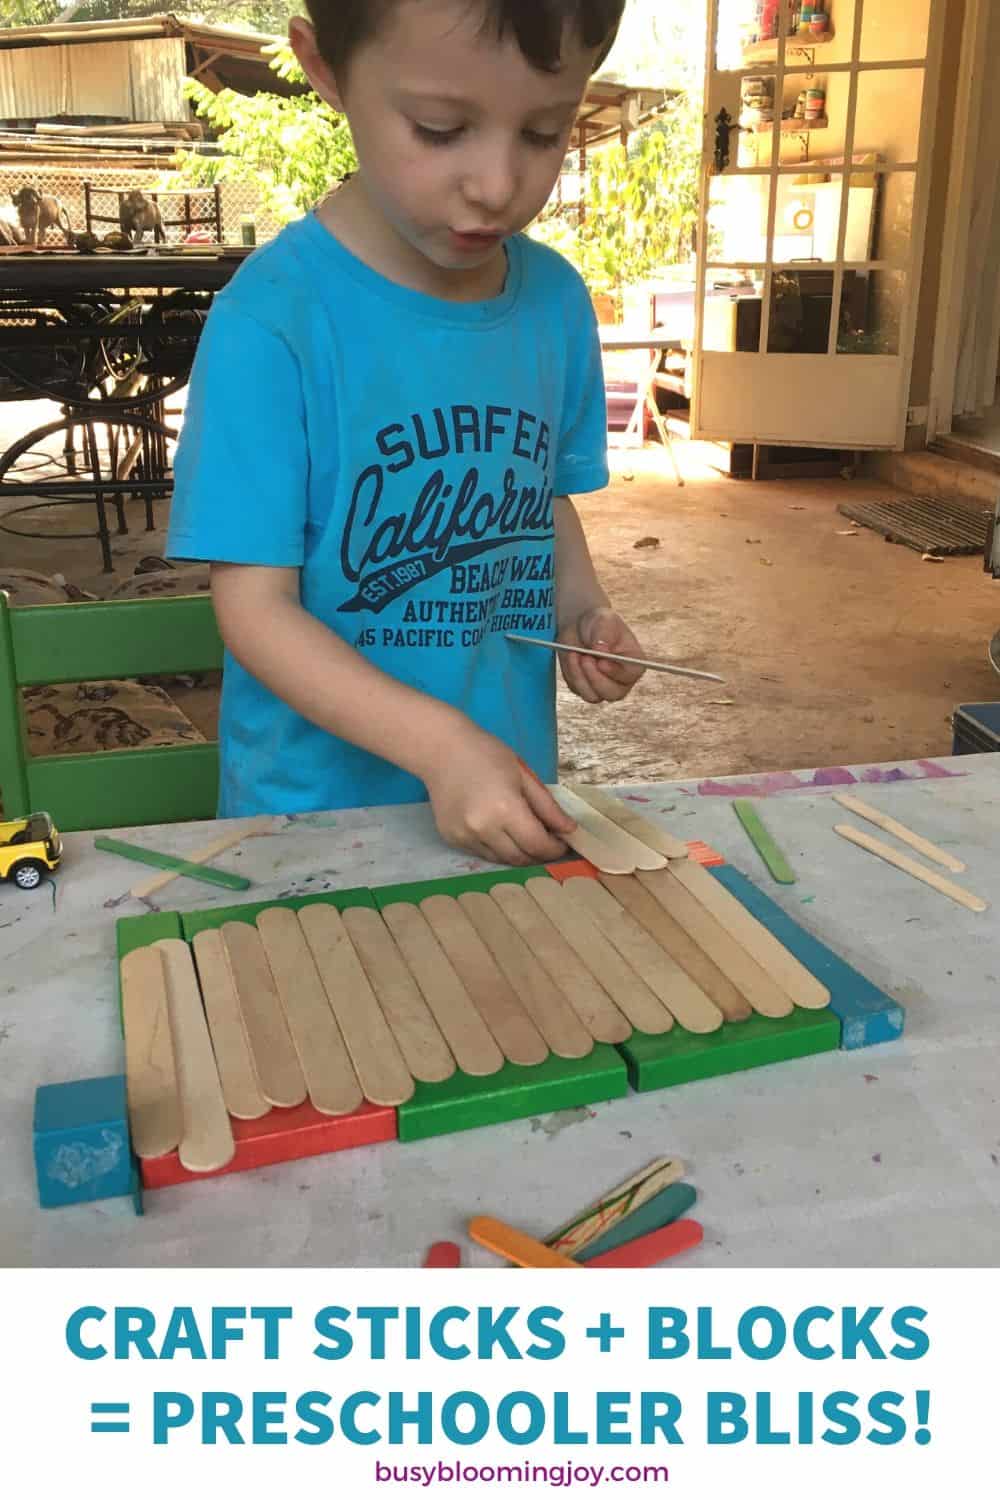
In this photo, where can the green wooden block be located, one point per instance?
(666, 1208)
(679, 1056)
(462, 1103)
(454, 885)
(193, 922)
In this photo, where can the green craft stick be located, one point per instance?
(764, 843)
(171, 862)
(673, 1203)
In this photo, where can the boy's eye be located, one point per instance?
(540, 139)
(436, 136)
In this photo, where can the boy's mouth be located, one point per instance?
(475, 240)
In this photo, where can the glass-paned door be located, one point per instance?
(819, 123)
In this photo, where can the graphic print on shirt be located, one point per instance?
(450, 489)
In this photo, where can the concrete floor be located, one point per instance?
(835, 648)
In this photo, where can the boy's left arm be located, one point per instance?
(585, 617)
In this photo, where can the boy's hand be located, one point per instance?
(485, 801)
(591, 679)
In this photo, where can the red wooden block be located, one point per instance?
(283, 1135)
(571, 867)
(443, 1255)
(651, 1249)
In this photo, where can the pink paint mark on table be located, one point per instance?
(774, 783)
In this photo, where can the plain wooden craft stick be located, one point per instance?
(544, 1001)
(765, 996)
(472, 1043)
(594, 1006)
(201, 856)
(623, 1200)
(378, 1062)
(424, 1049)
(802, 987)
(603, 842)
(150, 1074)
(240, 1085)
(686, 1002)
(900, 831)
(274, 1056)
(206, 1130)
(640, 827)
(672, 938)
(323, 1057)
(631, 994)
(517, 1247)
(911, 867)
(519, 1038)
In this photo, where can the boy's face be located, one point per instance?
(459, 139)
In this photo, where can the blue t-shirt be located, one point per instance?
(403, 452)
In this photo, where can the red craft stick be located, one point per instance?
(651, 1249)
(443, 1256)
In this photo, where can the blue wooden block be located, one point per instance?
(867, 1014)
(81, 1141)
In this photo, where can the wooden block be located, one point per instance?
(153, 1103)
(515, 1093)
(666, 1207)
(424, 1049)
(415, 891)
(206, 1142)
(632, 996)
(237, 1074)
(601, 841)
(518, 1037)
(594, 1006)
(657, 1062)
(331, 1081)
(248, 911)
(378, 1062)
(541, 997)
(517, 1247)
(867, 1015)
(802, 987)
(725, 950)
(80, 1141)
(625, 815)
(283, 1135)
(471, 1042)
(912, 867)
(275, 1059)
(675, 988)
(900, 831)
(651, 1249)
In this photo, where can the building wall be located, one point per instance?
(137, 80)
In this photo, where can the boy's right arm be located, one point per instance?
(482, 798)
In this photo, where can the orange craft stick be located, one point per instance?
(650, 1249)
(517, 1247)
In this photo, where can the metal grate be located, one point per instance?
(943, 528)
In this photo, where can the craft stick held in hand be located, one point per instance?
(630, 661)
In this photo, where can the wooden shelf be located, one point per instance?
(792, 127)
(767, 51)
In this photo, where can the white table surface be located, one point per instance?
(885, 1156)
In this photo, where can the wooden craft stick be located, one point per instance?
(240, 1085)
(424, 1049)
(616, 1205)
(541, 997)
(632, 661)
(672, 938)
(206, 1130)
(763, 842)
(594, 1006)
(519, 1038)
(653, 1248)
(625, 815)
(603, 842)
(325, 1062)
(153, 1107)
(900, 831)
(146, 888)
(631, 994)
(685, 1001)
(271, 1047)
(802, 987)
(378, 1062)
(517, 1247)
(463, 1028)
(765, 996)
(171, 862)
(443, 1255)
(911, 867)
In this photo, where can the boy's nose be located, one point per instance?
(491, 182)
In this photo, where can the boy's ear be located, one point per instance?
(302, 38)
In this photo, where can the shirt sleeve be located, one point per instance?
(582, 458)
(241, 465)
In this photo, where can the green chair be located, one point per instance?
(48, 643)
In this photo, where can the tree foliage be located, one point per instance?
(256, 15)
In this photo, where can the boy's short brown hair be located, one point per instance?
(342, 26)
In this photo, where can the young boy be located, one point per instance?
(390, 405)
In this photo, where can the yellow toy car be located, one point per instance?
(28, 848)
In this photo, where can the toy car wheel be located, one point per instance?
(27, 875)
